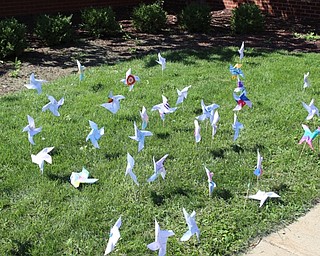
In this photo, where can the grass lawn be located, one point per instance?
(46, 215)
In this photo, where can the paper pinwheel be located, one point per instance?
(41, 157)
(130, 164)
(95, 134)
(144, 117)
(81, 177)
(158, 168)
(258, 171)
(312, 109)
(31, 129)
(236, 126)
(161, 238)
(161, 61)
(53, 105)
(192, 226)
(35, 83)
(197, 129)
(163, 108)
(130, 79)
(309, 136)
(207, 111)
(241, 100)
(236, 71)
(211, 184)
(113, 104)
(80, 70)
(263, 196)
(114, 236)
(139, 136)
(306, 82)
(241, 51)
(182, 94)
(214, 123)
(240, 85)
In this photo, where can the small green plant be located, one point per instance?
(195, 18)
(100, 22)
(149, 18)
(247, 18)
(54, 30)
(12, 38)
(311, 36)
(16, 68)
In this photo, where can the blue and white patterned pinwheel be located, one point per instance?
(95, 134)
(130, 164)
(241, 100)
(197, 129)
(35, 83)
(41, 157)
(130, 79)
(236, 126)
(161, 238)
(207, 111)
(161, 61)
(192, 226)
(236, 71)
(306, 82)
(139, 136)
(114, 236)
(81, 177)
(31, 129)
(80, 70)
(241, 51)
(158, 168)
(309, 136)
(53, 105)
(113, 104)
(211, 184)
(214, 123)
(145, 118)
(312, 109)
(182, 95)
(163, 108)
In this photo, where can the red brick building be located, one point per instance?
(284, 8)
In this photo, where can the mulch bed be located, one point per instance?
(51, 63)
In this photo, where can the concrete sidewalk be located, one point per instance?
(299, 238)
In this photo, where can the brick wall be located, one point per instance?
(283, 8)
(32, 7)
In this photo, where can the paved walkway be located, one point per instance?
(301, 238)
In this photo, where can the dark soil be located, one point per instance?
(50, 63)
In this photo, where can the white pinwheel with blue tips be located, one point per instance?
(161, 61)
(35, 83)
(312, 109)
(81, 177)
(53, 105)
(192, 226)
(158, 168)
(113, 104)
(207, 111)
(130, 164)
(161, 238)
(182, 95)
(236, 126)
(31, 129)
(114, 236)
(95, 134)
(139, 136)
(41, 157)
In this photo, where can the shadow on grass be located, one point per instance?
(21, 248)
(159, 199)
(60, 178)
(162, 135)
(222, 193)
(217, 153)
(237, 148)
(97, 87)
(112, 155)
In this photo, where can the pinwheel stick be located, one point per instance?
(304, 144)
(247, 194)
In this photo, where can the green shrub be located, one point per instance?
(100, 22)
(12, 38)
(149, 18)
(247, 18)
(195, 18)
(54, 30)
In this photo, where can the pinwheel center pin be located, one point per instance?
(130, 80)
(110, 100)
(241, 103)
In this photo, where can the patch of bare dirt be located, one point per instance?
(51, 63)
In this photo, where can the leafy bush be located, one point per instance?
(247, 18)
(54, 30)
(195, 18)
(149, 18)
(100, 22)
(12, 38)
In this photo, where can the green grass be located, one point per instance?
(45, 215)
